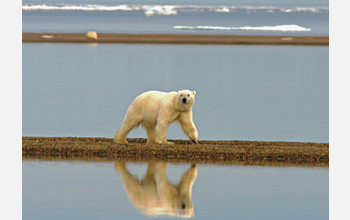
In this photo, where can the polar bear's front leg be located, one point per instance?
(191, 132)
(161, 133)
(188, 126)
(151, 135)
(161, 130)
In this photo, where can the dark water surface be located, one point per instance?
(264, 93)
(112, 190)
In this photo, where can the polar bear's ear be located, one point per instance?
(194, 93)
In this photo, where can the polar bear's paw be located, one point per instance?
(119, 139)
(195, 141)
(165, 142)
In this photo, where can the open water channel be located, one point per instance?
(119, 190)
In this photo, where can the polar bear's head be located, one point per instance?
(185, 98)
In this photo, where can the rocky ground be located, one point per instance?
(175, 39)
(222, 152)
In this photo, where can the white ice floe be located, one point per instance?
(223, 9)
(169, 9)
(72, 7)
(159, 10)
(291, 27)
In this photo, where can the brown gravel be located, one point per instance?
(175, 39)
(222, 152)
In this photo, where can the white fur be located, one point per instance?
(155, 111)
(91, 35)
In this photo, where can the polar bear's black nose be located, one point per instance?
(184, 100)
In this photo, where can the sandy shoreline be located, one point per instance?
(175, 39)
(222, 152)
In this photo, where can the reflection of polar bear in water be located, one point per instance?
(155, 195)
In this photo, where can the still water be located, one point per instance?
(264, 93)
(119, 190)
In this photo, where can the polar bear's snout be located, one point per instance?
(184, 100)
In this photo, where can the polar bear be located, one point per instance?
(155, 111)
(154, 195)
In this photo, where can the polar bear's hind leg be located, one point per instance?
(129, 123)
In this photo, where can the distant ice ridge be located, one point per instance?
(67, 7)
(291, 27)
(160, 10)
(150, 10)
